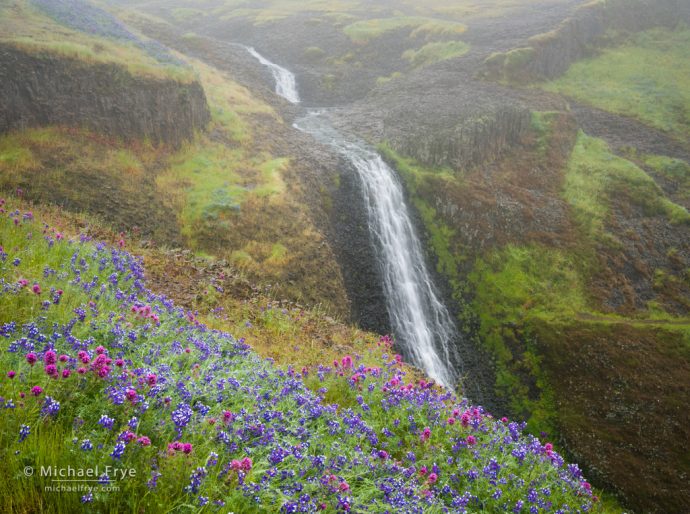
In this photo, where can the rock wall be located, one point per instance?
(43, 89)
(470, 139)
(548, 55)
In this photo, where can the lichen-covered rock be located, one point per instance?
(42, 89)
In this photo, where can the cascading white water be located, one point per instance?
(421, 323)
(286, 85)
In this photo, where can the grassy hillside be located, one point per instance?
(612, 80)
(594, 172)
(528, 277)
(100, 372)
(226, 194)
(77, 29)
(539, 290)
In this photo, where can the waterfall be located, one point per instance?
(286, 85)
(421, 323)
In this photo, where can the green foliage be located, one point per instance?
(646, 78)
(541, 124)
(512, 286)
(675, 170)
(522, 281)
(384, 80)
(185, 13)
(314, 53)
(435, 52)
(364, 31)
(594, 174)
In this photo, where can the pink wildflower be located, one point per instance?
(50, 357)
(426, 434)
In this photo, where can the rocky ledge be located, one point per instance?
(42, 88)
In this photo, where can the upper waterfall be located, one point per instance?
(286, 85)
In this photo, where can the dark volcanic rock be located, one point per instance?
(41, 89)
(470, 138)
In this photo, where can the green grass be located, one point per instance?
(645, 78)
(541, 122)
(527, 281)
(364, 31)
(25, 27)
(185, 13)
(209, 180)
(314, 53)
(18, 153)
(594, 173)
(435, 52)
(674, 170)
(384, 80)
(512, 285)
